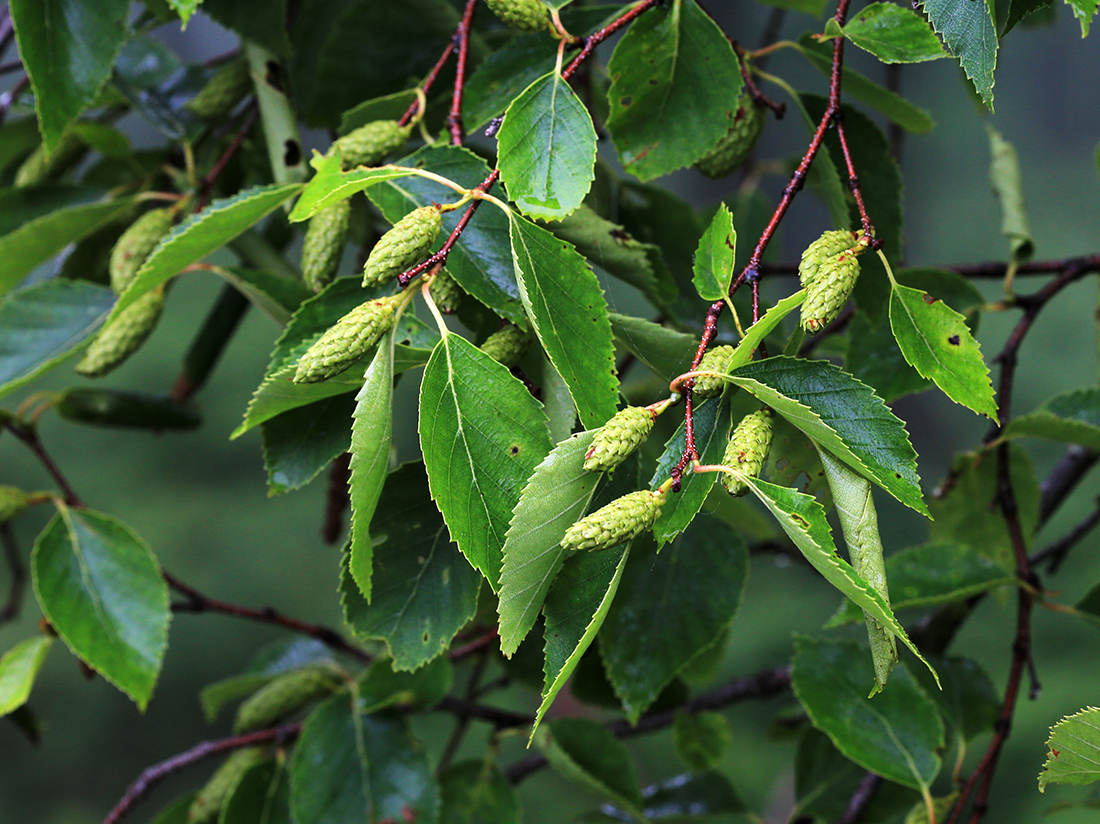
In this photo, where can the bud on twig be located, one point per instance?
(621, 520)
(617, 438)
(403, 246)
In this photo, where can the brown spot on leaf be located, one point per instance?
(292, 155)
(929, 299)
(514, 449)
(953, 340)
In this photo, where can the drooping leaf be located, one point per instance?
(673, 605)
(569, 313)
(546, 149)
(43, 324)
(481, 259)
(556, 496)
(843, 415)
(705, 796)
(482, 436)
(101, 589)
(39, 223)
(893, 34)
(895, 734)
(1074, 750)
(261, 796)
(68, 48)
(1004, 174)
(674, 78)
(702, 738)
(804, 521)
(476, 792)
(18, 668)
(1073, 417)
(666, 352)
(203, 233)
(588, 754)
(331, 184)
(711, 429)
(300, 443)
(423, 589)
(968, 31)
(371, 434)
(713, 262)
(930, 574)
(936, 341)
(756, 333)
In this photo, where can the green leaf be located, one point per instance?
(666, 352)
(1073, 417)
(1019, 9)
(968, 700)
(39, 223)
(896, 108)
(371, 434)
(575, 610)
(895, 734)
(1004, 174)
(968, 31)
(1084, 11)
(385, 107)
(823, 177)
(481, 259)
(476, 792)
(843, 415)
(756, 333)
(588, 754)
(711, 428)
(68, 48)
(276, 296)
(673, 80)
(482, 435)
(706, 796)
(331, 184)
(673, 606)
(874, 358)
(713, 262)
(933, 573)
(702, 738)
(42, 324)
(936, 341)
(184, 8)
(893, 34)
(547, 149)
(804, 521)
(100, 587)
(18, 668)
(1074, 746)
(556, 496)
(261, 796)
(424, 591)
(203, 233)
(273, 660)
(300, 443)
(382, 687)
(569, 312)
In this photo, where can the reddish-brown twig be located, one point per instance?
(336, 501)
(28, 434)
(250, 117)
(462, 36)
(594, 39)
(16, 571)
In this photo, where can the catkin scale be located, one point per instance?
(123, 336)
(828, 270)
(208, 802)
(135, 245)
(368, 145)
(715, 360)
(507, 345)
(284, 696)
(525, 15)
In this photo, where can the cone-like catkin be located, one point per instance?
(618, 438)
(135, 245)
(123, 336)
(368, 145)
(403, 246)
(40, 167)
(525, 15)
(284, 696)
(348, 340)
(446, 293)
(224, 90)
(326, 236)
(738, 142)
(829, 277)
(208, 803)
(12, 502)
(507, 346)
(716, 360)
(619, 521)
(747, 450)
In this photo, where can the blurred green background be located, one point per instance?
(200, 500)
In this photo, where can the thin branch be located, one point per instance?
(1054, 554)
(252, 113)
(857, 804)
(28, 434)
(462, 35)
(1063, 479)
(598, 37)
(154, 774)
(16, 570)
(428, 82)
(197, 602)
(337, 499)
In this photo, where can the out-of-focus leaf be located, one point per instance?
(702, 738)
(588, 754)
(476, 792)
(300, 443)
(18, 668)
(1073, 417)
(1004, 174)
(261, 796)
(706, 796)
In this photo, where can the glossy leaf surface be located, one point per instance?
(893, 34)
(713, 263)
(968, 30)
(300, 443)
(1074, 750)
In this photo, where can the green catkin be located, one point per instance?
(831, 243)
(446, 293)
(135, 245)
(123, 336)
(716, 360)
(525, 15)
(403, 246)
(828, 271)
(507, 345)
(208, 803)
(747, 450)
(326, 236)
(40, 167)
(347, 340)
(222, 92)
(621, 520)
(735, 146)
(284, 696)
(13, 501)
(619, 437)
(369, 145)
